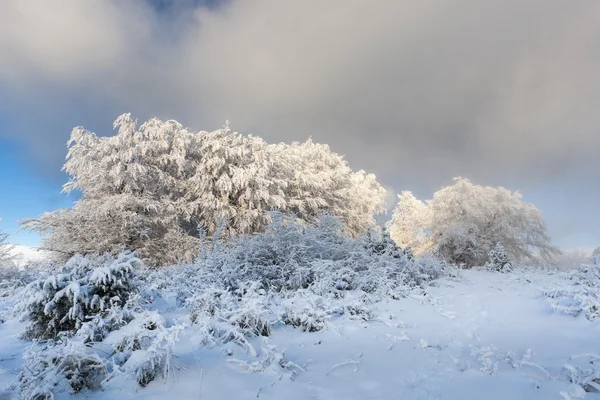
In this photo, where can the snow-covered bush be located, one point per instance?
(579, 294)
(245, 308)
(305, 311)
(80, 290)
(498, 259)
(292, 255)
(61, 367)
(294, 273)
(270, 359)
(287, 256)
(143, 348)
(213, 331)
(583, 372)
(427, 269)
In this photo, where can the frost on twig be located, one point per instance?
(342, 364)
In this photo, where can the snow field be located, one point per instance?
(477, 335)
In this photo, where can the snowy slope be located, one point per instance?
(25, 254)
(481, 335)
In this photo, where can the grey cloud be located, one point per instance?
(502, 91)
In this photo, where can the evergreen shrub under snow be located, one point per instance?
(498, 259)
(141, 350)
(80, 290)
(90, 300)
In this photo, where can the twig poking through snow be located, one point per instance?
(349, 362)
(591, 355)
(548, 376)
(201, 370)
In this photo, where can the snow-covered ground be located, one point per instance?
(480, 335)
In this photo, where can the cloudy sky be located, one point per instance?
(505, 92)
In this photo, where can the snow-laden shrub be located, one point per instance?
(291, 255)
(245, 307)
(90, 300)
(579, 293)
(143, 348)
(231, 316)
(270, 359)
(581, 370)
(100, 325)
(295, 274)
(70, 367)
(79, 291)
(305, 311)
(498, 259)
(426, 269)
(284, 256)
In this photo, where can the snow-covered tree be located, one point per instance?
(463, 222)
(233, 183)
(132, 192)
(410, 223)
(152, 188)
(6, 256)
(315, 179)
(596, 256)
